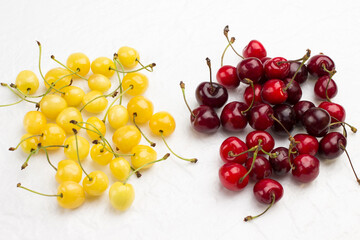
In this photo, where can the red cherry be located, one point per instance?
(233, 118)
(250, 68)
(273, 92)
(280, 164)
(301, 107)
(302, 74)
(230, 175)
(306, 144)
(306, 168)
(294, 91)
(254, 49)
(236, 146)
(204, 119)
(264, 59)
(320, 88)
(260, 116)
(261, 168)
(249, 93)
(267, 141)
(336, 111)
(332, 145)
(277, 68)
(227, 77)
(317, 63)
(316, 121)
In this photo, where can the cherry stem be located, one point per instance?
(208, 62)
(353, 129)
(331, 74)
(48, 159)
(138, 174)
(278, 121)
(22, 95)
(248, 218)
(253, 98)
(258, 148)
(112, 94)
(182, 85)
(77, 70)
(232, 40)
(304, 59)
(149, 68)
(142, 133)
(77, 154)
(352, 167)
(193, 160)
(226, 31)
(11, 104)
(272, 155)
(23, 140)
(42, 194)
(115, 99)
(292, 145)
(119, 78)
(231, 153)
(146, 164)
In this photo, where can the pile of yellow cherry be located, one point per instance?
(58, 119)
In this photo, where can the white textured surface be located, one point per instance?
(177, 200)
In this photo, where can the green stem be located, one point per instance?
(42, 194)
(223, 54)
(248, 218)
(193, 160)
(77, 154)
(253, 162)
(253, 98)
(226, 31)
(151, 66)
(74, 72)
(182, 86)
(48, 159)
(304, 59)
(23, 140)
(142, 133)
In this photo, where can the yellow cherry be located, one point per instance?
(98, 124)
(53, 134)
(57, 76)
(100, 155)
(162, 122)
(126, 137)
(72, 195)
(68, 170)
(99, 82)
(96, 106)
(127, 57)
(83, 146)
(102, 65)
(78, 62)
(34, 121)
(142, 155)
(29, 144)
(27, 82)
(142, 107)
(120, 168)
(139, 82)
(121, 195)
(118, 116)
(97, 184)
(65, 116)
(51, 105)
(73, 95)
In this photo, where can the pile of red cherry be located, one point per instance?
(272, 100)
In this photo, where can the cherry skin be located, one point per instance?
(336, 111)
(249, 93)
(261, 168)
(306, 168)
(250, 68)
(306, 144)
(294, 91)
(264, 59)
(320, 88)
(316, 121)
(259, 116)
(266, 188)
(236, 146)
(301, 107)
(206, 120)
(316, 63)
(286, 115)
(273, 92)
(211, 94)
(254, 49)
(274, 69)
(232, 117)
(302, 74)
(280, 164)
(252, 140)
(230, 175)
(227, 76)
(332, 145)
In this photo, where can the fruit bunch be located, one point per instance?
(272, 100)
(58, 119)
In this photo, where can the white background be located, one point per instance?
(175, 199)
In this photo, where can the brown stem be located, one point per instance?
(182, 86)
(226, 31)
(304, 59)
(248, 218)
(352, 167)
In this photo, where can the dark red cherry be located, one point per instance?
(301, 76)
(280, 164)
(232, 117)
(273, 92)
(286, 115)
(332, 145)
(336, 111)
(261, 168)
(254, 49)
(260, 116)
(316, 121)
(306, 144)
(204, 119)
(320, 88)
(264, 59)
(230, 175)
(277, 68)
(294, 91)
(249, 93)
(235, 146)
(211, 94)
(316, 63)
(267, 141)
(227, 77)
(306, 168)
(265, 188)
(250, 68)
(301, 107)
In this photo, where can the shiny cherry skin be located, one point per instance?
(206, 120)
(264, 59)
(280, 164)
(274, 69)
(236, 146)
(316, 121)
(251, 68)
(336, 111)
(306, 144)
(232, 117)
(261, 169)
(230, 175)
(254, 49)
(301, 76)
(306, 168)
(294, 91)
(273, 92)
(227, 76)
(249, 93)
(266, 188)
(330, 145)
(211, 94)
(316, 63)
(259, 116)
(320, 88)
(252, 140)
(301, 107)
(286, 115)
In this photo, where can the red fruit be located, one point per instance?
(236, 146)
(249, 93)
(316, 63)
(306, 168)
(336, 111)
(273, 92)
(254, 49)
(277, 68)
(320, 88)
(261, 168)
(250, 68)
(227, 77)
(260, 116)
(252, 140)
(307, 144)
(265, 188)
(232, 117)
(230, 175)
